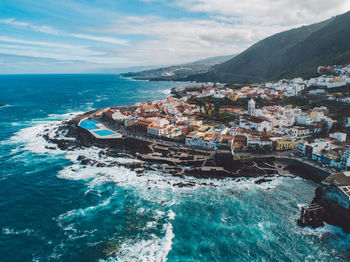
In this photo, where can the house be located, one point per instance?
(304, 119)
(226, 140)
(156, 130)
(336, 188)
(341, 137)
(209, 109)
(239, 142)
(282, 144)
(313, 150)
(257, 141)
(255, 123)
(142, 125)
(202, 140)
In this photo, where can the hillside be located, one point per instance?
(289, 54)
(178, 71)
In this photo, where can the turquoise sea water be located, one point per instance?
(53, 209)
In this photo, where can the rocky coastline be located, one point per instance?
(177, 161)
(191, 162)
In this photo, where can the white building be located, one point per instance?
(253, 141)
(159, 121)
(341, 137)
(156, 130)
(201, 141)
(251, 107)
(304, 119)
(255, 123)
(337, 189)
(313, 150)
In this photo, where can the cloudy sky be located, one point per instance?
(72, 36)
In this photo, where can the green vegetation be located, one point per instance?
(202, 101)
(221, 118)
(293, 53)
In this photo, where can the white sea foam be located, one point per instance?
(83, 212)
(265, 228)
(171, 215)
(151, 186)
(167, 91)
(11, 231)
(301, 205)
(155, 249)
(31, 137)
(322, 231)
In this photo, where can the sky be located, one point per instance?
(103, 36)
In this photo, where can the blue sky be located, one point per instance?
(70, 36)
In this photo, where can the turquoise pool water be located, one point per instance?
(89, 124)
(104, 133)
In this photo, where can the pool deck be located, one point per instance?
(100, 128)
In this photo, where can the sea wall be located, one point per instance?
(302, 168)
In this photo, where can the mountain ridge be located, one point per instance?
(177, 71)
(292, 53)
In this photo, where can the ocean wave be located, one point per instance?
(153, 249)
(30, 138)
(82, 212)
(327, 229)
(11, 231)
(167, 91)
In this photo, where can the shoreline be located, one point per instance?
(158, 155)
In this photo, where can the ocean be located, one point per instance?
(54, 209)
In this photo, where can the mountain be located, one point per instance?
(293, 53)
(116, 70)
(178, 71)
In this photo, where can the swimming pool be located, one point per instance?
(89, 124)
(104, 132)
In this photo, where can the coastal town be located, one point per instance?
(215, 128)
(235, 121)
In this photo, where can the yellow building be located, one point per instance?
(233, 97)
(209, 109)
(281, 145)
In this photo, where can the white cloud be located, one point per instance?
(40, 43)
(43, 29)
(183, 40)
(52, 31)
(281, 12)
(109, 40)
(230, 27)
(42, 49)
(223, 27)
